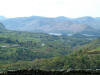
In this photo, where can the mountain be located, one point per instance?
(62, 25)
(90, 21)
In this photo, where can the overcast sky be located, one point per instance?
(50, 8)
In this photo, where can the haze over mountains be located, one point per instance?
(61, 25)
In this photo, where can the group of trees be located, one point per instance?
(72, 61)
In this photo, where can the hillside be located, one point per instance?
(88, 57)
(29, 46)
(84, 58)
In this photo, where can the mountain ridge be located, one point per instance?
(60, 24)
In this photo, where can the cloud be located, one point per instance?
(50, 8)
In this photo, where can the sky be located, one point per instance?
(50, 8)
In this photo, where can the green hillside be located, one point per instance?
(85, 58)
(28, 46)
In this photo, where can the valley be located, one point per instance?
(48, 51)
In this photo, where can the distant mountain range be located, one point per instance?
(58, 25)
